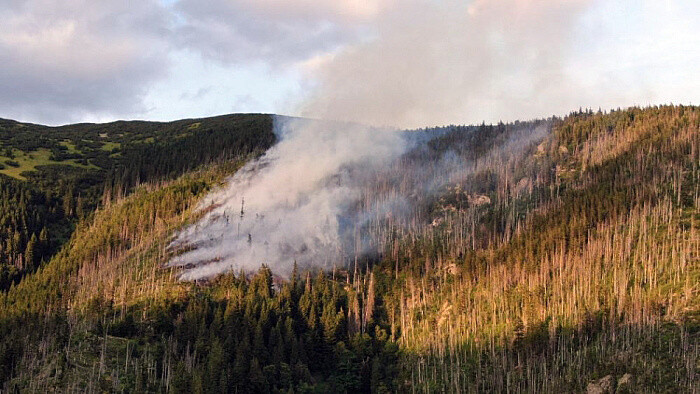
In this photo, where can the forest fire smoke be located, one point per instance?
(290, 204)
(328, 193)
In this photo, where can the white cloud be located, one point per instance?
(339, 11)
(198, 87)
(64, 61)
(278, 32)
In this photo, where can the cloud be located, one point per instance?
(77, 60)
(68, 60)
(200, 87)
(278, 32)
(640, 55)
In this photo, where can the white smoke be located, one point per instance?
(457, 61)
(290, 204)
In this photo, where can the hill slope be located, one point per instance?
(52, 177)
(549, 266)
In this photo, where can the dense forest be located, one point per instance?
(568, 264)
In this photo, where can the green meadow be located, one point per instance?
(29, 161)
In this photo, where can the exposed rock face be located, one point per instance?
(605, 385)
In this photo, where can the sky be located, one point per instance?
(406, 63)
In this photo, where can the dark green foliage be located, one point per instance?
(178, 147)
(32, 225)
(259, 338)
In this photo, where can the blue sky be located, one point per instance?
(197, 87)
(405, 63)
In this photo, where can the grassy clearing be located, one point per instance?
(109, 146)
(71, 147)
(29, 161)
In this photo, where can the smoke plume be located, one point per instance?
(289, 205)
(454, 61)
(328, 192)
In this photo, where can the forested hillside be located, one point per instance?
(584, 264)
(568, 260)
(53, 177)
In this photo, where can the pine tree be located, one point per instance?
(30, 253)
(256, 378)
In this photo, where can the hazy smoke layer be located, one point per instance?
(290, 205)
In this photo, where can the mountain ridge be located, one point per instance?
(577, 259)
